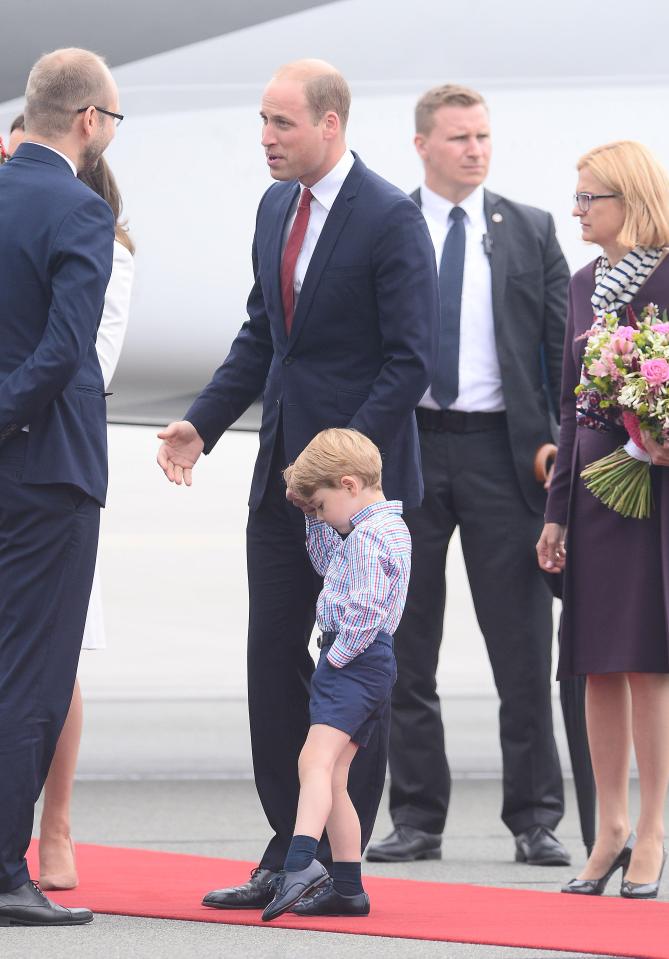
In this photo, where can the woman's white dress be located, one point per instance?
(111, 333)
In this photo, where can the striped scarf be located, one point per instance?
(616, 286)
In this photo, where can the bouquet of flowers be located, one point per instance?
(625, 382)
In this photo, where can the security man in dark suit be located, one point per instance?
(503, 285)
(342, 331)
(56, 246)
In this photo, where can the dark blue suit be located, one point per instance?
(56, 247)
(360, 354)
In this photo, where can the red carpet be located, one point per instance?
(135, 882)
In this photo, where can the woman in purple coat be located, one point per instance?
(616, 570)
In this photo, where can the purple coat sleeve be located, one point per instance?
(558, 494)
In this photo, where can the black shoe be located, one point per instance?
(28, 906)
(326, 901)
(643, 890)
(405, 844)
(538, 846)
(291, 886)
(596, 887)
(254, 894)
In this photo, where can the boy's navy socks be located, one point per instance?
(301, 853)
(346, 878)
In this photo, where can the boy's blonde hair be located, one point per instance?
(630, 169)
(332, 454)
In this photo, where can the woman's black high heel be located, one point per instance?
(595, 887)
(643, 890)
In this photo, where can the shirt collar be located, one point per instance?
(54, 150)
(392, 506)
(327, 188)
(439, 208)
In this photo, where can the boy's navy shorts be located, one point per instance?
(354, 697)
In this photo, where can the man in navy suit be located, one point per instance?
(56, 248)
(342, 331)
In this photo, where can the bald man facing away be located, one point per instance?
(341, 332)
(56, 247)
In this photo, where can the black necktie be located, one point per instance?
(445, 382)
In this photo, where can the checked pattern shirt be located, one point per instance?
(366, 577)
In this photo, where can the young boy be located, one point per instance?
(358, 542)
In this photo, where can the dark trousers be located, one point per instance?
(470, 483)
(283, 589)
(48, 542)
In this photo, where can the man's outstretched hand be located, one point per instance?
(179, 451)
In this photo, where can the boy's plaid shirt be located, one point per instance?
(366, 577)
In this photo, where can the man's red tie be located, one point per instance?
(290, 255)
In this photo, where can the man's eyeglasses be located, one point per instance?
(584, 200)
(117, 116)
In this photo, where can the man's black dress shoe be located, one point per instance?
(28, 906)
(596, 887)
(254, 894)
(538, 846)
(643, 890)
(291, 886)
(405, 844)
(326, 901)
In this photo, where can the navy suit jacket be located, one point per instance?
(56, 248)
(363, 341)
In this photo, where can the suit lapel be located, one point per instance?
(499, 250)
(334, 224)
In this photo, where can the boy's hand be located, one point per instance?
(302, 504)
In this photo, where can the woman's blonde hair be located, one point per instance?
(631, 169)
(332, 454)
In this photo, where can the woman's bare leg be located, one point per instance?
(56, 855)
(650, 727)
(609, 722)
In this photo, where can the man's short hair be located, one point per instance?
(18, 123)
(60, 83)
(448, 95)
(330, 91)
(332, 454)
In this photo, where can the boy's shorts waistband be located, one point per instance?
(328, 637)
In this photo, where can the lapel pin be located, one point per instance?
(497, 218)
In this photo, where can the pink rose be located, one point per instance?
(655, 372)
(625, 332)
(599, 368)
(660, 327)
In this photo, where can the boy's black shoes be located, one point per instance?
(405, 844)
(326, 901)
(254, 894)
(291, 886)
(28, 906)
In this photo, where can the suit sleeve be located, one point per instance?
(80, 266)
(558, 494)
(241, 378)
(407, 295)
(556, 284)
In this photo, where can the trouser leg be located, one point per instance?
(48, 541)
(420, 777)
(514, 610)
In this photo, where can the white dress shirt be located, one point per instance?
(324, 193)
(479, 376)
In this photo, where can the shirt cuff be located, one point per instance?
(338, 656)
